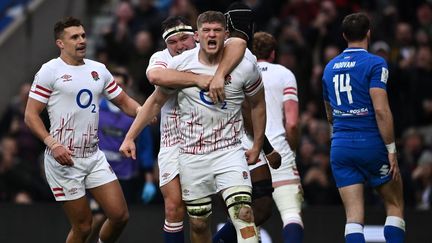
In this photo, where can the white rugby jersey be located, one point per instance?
(205, 126)
(72, 95)
(280, 85)
(169, 121)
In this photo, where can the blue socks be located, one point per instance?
(173, 232)
(354, 233)
(394, 230)
(292, 233)
(226, 234)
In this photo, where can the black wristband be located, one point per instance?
(267, 147)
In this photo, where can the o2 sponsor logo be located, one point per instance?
(206, 100)
(84, 100)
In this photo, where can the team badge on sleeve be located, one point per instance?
(95, 75)
(384, 75)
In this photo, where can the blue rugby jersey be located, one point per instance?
(346, 83)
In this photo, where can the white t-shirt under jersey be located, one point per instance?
(72, 95)
(205, 126)
(280, 86)
(169, 118)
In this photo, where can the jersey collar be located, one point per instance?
(353, 49)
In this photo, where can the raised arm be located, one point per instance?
(233, 53)
(258, 117)
(172, 78)
(145, 115)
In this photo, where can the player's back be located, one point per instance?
(346, 83)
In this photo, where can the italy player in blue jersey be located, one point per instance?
(363, 147)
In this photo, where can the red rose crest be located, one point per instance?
(95, 75)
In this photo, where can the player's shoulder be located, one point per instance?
(376, 59)
(163, 54)
(94, 63)
(186, 56)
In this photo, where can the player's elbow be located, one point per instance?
(153, 77)
(27, 118)
(381, 113)
(291, 125)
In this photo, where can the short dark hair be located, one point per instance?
(174, 21)
(355, 26)
(63, 24)
(239, 18)
(211, 17)
(263, 45)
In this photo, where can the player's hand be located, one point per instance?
(128, 149)
(204, 81)
(217, 89)
(62, 155)
(274, 159)
(394, 167)
(148, 192)
(252, 155)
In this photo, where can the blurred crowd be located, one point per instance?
(308, 35)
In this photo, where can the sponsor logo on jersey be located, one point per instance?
(66, 78)
(186, 192)
(384, 75)
(95, 75)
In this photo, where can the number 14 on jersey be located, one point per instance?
(342, 84)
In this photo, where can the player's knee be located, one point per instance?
(120, 218)
(198, 211)
(199, 208)
(83, 228)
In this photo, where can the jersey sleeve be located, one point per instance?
(379, 74)
(43, 85)
(157, 61)
(253, 82)
(290, 87)
(324, 87)
(111, 88)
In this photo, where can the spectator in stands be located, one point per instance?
(423, 174)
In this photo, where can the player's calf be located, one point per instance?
(238, 201)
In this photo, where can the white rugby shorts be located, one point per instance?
(168, 158)
(202, 175)
(70, 182)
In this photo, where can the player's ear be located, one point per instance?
(196, 36)
(59, 44)
(343, 34)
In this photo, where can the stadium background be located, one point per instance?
(308, 35)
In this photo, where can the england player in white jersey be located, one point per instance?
(213, 145)
(70, 87)
(178, 36)
(282, 131)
